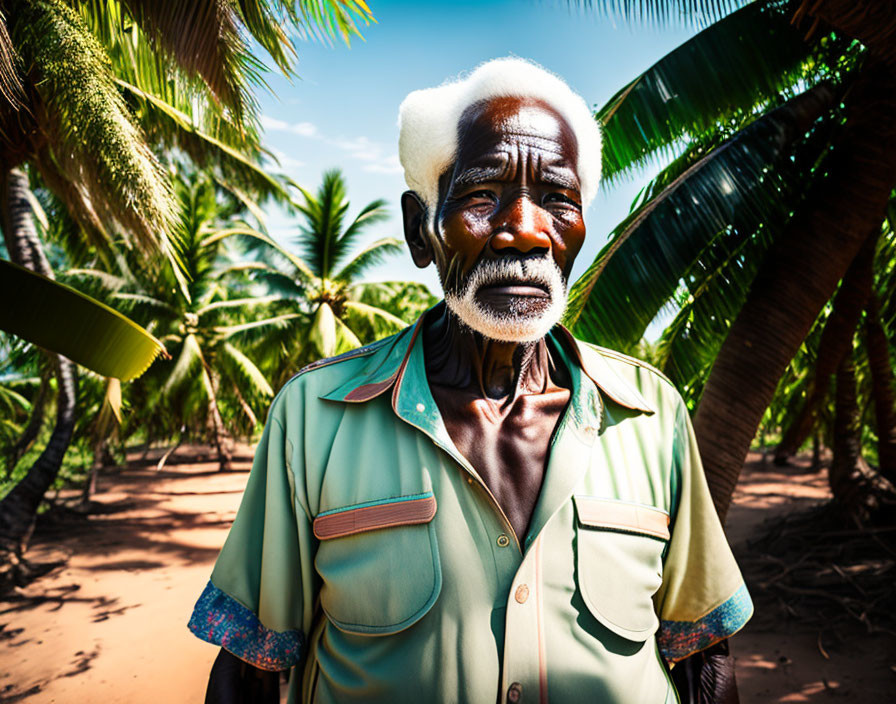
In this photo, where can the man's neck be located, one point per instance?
(460, 357)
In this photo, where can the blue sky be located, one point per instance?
(341, 111)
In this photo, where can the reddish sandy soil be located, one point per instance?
(109, 626)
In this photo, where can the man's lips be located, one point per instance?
(515, 288)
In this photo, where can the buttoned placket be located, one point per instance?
(517, 559)
(524, 658)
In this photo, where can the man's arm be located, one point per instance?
(707, 677)
(234, 681)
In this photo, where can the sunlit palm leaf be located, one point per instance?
(96, 145)
(370, 256)
(61, 319)
(378, 322)
(723, 73)
(327, 19)
(205, 148)
(203, 36)
(10, 83)
(663, 12)
(188, 360)
(639, 269)
(248, 372)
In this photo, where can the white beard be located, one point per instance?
(512, 325)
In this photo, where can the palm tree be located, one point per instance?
(781, 123)
(327, 309)
(77, 79)
(209, 389)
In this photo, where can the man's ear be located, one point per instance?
(413, 214)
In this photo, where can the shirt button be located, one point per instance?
(521, 594)
(420, 408)
(514, 693)
(503, 541)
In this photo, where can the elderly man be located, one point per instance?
(480, 508)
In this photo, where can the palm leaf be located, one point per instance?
(61, 319)
(176, 128)
(370, 214)
(327, 19)
(721, 74)
(203, 37)
(10, 84)
(663, 13)
(247, 371)
(370, 256)
(190, 356)
(95, 144)
(650, 251)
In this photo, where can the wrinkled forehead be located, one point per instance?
(484, 126)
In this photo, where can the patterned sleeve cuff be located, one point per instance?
(220, 619)
(679, 639)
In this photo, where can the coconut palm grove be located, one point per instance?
(150, 312)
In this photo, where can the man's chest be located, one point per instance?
(508, 444)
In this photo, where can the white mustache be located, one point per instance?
(543, 271)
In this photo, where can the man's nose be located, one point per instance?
(522, 226)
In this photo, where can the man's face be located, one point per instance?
(510, 218)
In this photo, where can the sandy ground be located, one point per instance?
(110, 626)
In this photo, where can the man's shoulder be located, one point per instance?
(624, 362)
(326, 374)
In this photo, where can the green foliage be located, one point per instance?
(93, 141)
(726, 74)
(325, 309)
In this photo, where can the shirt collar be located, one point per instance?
(385, 369)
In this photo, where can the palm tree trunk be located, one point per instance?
(219, 433)
(836, 341)
(797, 278)
(18, 509)
(882, 389)
(35, 421)
(845, 476)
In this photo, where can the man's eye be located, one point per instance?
(561, 199)
(480, 199)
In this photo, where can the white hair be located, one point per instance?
(514, 325)
(428, 121)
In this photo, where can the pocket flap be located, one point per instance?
(610, 514)
(373, 515)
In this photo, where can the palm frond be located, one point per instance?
(175, 128)
(327, 19)
(378, 322)
(324, 214)
(203, 37)
(663, 13)
(247, 372)
(652, 249)
(722, 74)
(370, 214)
(236, 303)
(64, 320)
(189, 358)
(712, 295)
(95, 142)
(370, 256)
(10, 83)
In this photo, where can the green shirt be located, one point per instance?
(370, 557)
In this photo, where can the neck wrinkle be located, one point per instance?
(495, 370)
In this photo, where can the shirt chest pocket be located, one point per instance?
(619, 563)
(379, 563)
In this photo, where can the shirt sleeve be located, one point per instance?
(703, 598)
(257, 604)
